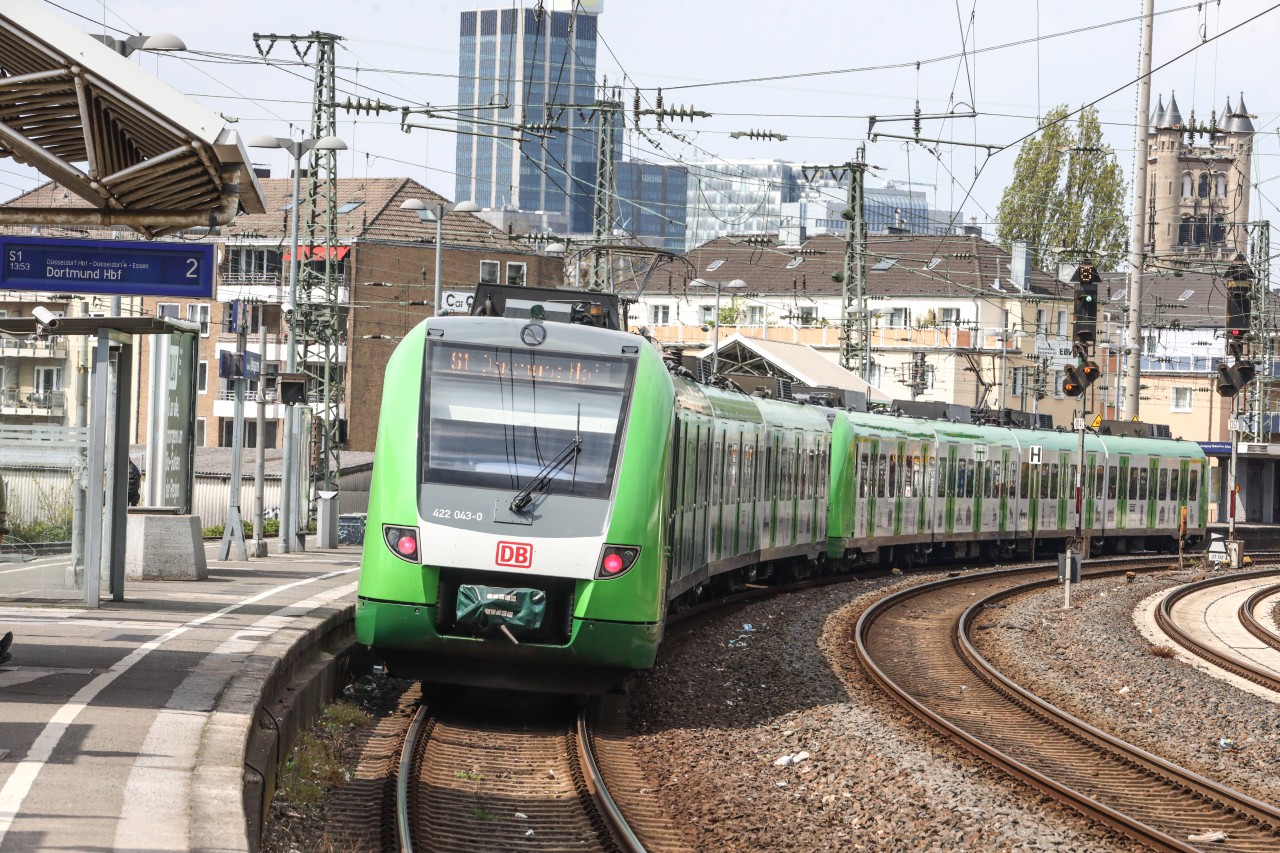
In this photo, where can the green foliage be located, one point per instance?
(316, 762)
(270, 529)
(54, 514)
(1066, 192)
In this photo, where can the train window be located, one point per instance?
(1193, 490)
(971, 481)
(1099, 474)
(882, 474)
(1069, 487)
(1045, 481)
(994, 480)
(865, 474)
(961, 467)
(909, 480)
(748, 470)
(1054, 483)
(1111, 482)
(1024, 482)
(941, 477)
(1142, 484)
(1163, 493)
(1181, 488)
(1133, 484)
(893, 475)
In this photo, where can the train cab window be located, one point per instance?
(1111, 482)
(1163, 493)
(494, 418)
(1142, 484)
(1099, 474)
(1193, 487)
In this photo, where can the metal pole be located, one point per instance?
(1084, 546)
(715, 352)
(1234, 432)
(291, 359)
(233, 529)
(76, 570)
(1138, 236)
(259, 473)
(439, 237)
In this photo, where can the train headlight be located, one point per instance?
(616, 560)
(403, 541)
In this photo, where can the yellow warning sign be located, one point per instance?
(1134, 418)
(1097, 421)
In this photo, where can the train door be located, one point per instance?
(749, 489)
(1091, 484)
(952, 479)
(1198, 491)
(897, 477)
(1152, 488)
(1006, 482)
(769, 515)
(1122, 493)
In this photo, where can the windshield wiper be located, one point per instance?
(542, 480)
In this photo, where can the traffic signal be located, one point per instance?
(1238, 307)
(1085, 330)
(1077, 377)
(292, 388)
(1233, 377)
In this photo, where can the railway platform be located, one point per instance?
(139, 725)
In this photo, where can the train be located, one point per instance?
(548, 487)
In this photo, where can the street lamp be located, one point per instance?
(126, 46)
(736, 284)
(429, 210)
(296, 149)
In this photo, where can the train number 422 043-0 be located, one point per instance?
(461, 514)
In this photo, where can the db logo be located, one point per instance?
(515, 554)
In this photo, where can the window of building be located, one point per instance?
(1202, 189)
(489, 271)
(755, 315)
(707, 313)
(349, 206)
(1220, 185)
(884, 263)
(1186, 184)
(199, 313)
(1181, 399)
(1018, 382)
(660, 315)
(927, 376)
(899, 318)
(1185, 234)
(168, 309)
(200, 432)
(202, 377)
(808, 315)
(949, 316)
(1041, 316)
(1062, 323)
(1057, 383)
(516, 273)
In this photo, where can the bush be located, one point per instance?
(270, 529)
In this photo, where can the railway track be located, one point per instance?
(916, 645)
(502, 778)
(1198, 642)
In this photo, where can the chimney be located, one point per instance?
(1020, 266)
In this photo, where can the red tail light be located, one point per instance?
(403, 541)
(616, 560)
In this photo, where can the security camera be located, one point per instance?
(287, 309)
(46, 318)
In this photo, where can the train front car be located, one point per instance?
(515, 512)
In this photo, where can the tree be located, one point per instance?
(1067, 191)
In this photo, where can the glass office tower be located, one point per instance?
(528, 61)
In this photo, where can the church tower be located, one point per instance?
(1199, 193)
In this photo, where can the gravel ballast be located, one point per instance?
(1092, 662)
(772, 737)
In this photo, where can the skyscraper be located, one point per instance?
(528, 61)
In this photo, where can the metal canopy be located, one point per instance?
(70, 326)
(139, 152)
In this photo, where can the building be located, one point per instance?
(776, 196)
(385, 267)
(1198, 196)
(953, 318)
(516, 65)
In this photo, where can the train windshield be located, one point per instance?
(496, 417)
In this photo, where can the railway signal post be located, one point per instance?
(1079, 376)
(1232, 379)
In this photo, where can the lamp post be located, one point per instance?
(736, 284)
(126, 46)
(296, 149)
(427, 211)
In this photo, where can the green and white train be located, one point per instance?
(546, 489)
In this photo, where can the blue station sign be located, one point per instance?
(107, 267)
(1215, 448)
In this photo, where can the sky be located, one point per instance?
(1030, 56)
